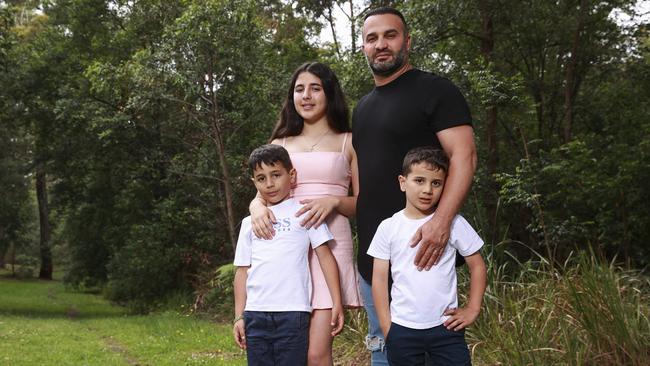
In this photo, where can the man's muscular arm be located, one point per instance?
(458, 144)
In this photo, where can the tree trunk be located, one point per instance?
(226, 182)
(487, 47)
(12, 250)
(353, 28)
(221, 152)
(330, 19)
(570, 75)
(3, 252)
(45, 272)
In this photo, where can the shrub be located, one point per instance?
(221, 296)
(25, 266)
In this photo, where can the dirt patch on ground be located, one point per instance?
(215, 355)
(117, 347)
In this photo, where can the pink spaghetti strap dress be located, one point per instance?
(320, 174)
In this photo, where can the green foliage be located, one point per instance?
(585, 312)
(578, 195)
(144, 112)
(220, 298)
(25, 266)
(519, 58)
(16, 206)
(147, 91)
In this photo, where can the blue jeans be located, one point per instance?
(409, 347)
(375, 338)
(276, 338)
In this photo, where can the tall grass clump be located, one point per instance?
(349, 348)
(585, 312)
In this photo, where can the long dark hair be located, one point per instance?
(290, 123)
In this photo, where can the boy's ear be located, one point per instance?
(293, 177)
(402, 182)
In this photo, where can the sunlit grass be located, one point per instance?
(585, 312)
(42, 323)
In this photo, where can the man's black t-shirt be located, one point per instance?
(387, 123)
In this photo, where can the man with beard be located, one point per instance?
(406, 109)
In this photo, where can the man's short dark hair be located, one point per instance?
(269, 154)
(387, 10)
(425, 154)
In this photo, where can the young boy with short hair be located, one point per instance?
(424, 317)
(272, 281)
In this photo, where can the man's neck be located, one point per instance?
(384, 80)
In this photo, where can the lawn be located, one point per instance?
(42, 323)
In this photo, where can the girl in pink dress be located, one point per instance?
(314, 128)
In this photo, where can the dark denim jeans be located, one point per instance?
(277, 338)
(408, 347)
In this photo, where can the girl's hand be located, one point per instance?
(317, 210)
(262, 220)
(337, 320)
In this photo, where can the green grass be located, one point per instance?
(41, 323)
(586, 312)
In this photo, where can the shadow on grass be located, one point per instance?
(70, 313)
(49, 299)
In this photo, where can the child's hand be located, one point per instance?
(460, 318)
(239, 334)
(262, 220)
(337, 320)
(317, 211)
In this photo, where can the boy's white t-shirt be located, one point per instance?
(278, 277)
(419, 298)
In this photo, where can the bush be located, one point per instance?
(144, 271)
(220, 297)
(25, 266)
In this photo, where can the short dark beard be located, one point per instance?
(387, 69)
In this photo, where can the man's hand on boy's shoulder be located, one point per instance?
(239, 333)
(432, 238)
(460, 318)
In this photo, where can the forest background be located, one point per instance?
(125, 127)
